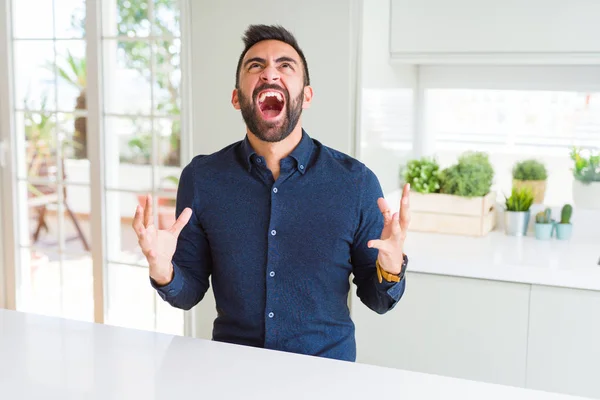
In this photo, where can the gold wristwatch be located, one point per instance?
(383, 274)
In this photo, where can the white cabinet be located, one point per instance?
(533, 336)
(458, 327)
(564, 341)
(515, 31)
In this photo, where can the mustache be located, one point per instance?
(267, 86)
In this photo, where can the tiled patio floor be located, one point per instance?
(49, 286)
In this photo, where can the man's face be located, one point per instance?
(271, 92)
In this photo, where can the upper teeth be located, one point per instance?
(264, 95)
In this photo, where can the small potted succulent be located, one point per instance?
(516, 216)
(531, 173)
(544, 224)
(564, 228)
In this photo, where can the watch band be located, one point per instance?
(383, 274)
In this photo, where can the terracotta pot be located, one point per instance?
(538, 188)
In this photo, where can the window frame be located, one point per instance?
(95, 127)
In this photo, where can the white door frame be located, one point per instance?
(8, 283)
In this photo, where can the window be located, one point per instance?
(386, 133)
(141, 130)
(512, 125)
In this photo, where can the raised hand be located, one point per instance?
(158, 245)
(391, 243)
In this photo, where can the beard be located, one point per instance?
(265, 130)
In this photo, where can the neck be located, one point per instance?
(277, 151)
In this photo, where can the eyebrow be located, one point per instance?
(263, 61)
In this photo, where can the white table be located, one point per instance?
(50, 358)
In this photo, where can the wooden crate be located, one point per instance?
(443, 213)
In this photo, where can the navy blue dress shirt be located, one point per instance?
(279, 253)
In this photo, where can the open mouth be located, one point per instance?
(271, 103)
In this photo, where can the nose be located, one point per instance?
(270, 74)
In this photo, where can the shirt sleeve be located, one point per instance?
(378, 296)
(192, 262)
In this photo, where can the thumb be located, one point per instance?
(376, 244)
(181, 222)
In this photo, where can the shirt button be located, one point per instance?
(274, 190)
(271, 315)
(272, 274)
(301, 166)
(273, 232)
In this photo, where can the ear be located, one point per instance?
(308, 95)
(235, 101)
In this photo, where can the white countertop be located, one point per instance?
(564, 263)
(570, 264)
(49, 358)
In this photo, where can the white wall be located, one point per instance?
(327, 32)
(385, 91)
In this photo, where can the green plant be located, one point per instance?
(423, 175)
(587, 166)
(529, 170)
(566, 213)
(520, 199)
(472, 176)
(544, 217)
(164, 53)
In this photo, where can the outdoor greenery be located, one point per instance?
(529, 170)
(138, 55)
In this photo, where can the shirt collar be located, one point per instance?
(302, 153)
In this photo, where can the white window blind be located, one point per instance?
(387, 115)
(513, 120)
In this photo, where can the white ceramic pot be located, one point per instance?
(586, 196)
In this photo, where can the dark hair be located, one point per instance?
(258, 33)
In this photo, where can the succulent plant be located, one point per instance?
(565, 214)
(544, 217)
(520, 199)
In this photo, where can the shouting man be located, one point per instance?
(278, 221)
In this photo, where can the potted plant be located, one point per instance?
(564, 228)
(472, 176)
(533, 174)
(516, 216)
(544, 224)
(586, 185)
(457, 200)
(423, 175)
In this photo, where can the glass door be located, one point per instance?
(54, 269)
(96, 88)
(141, 44)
